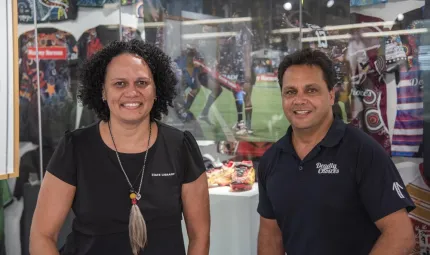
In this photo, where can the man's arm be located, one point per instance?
(269, 238)
(386, 200)
(397, 236)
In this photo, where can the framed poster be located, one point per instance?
(9, 91)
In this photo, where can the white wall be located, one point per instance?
(6, 91)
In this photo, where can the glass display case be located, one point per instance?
(226, 55)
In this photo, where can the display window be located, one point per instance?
(226, 55)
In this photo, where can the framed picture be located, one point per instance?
(9, 91)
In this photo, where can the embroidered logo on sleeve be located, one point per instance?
(398, 188)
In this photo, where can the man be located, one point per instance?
(327, 188)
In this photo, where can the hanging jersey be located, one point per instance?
(366, 2)
(46, 10)
(57, 50)
(369, 59)
(409, 126)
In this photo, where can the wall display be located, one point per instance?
(46, 10)
(211, 91)
(57, 50)
(9, 108)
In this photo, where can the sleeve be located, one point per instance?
(193, 159)
(264, 207)
(62, 163)
(380, 185)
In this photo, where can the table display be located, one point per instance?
(234, 221)
(240, 176)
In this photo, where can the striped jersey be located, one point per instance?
(409, 125)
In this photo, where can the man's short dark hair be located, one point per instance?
(93, 74)
(309, 57)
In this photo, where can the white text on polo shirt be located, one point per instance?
(163, 174)
(327, 168)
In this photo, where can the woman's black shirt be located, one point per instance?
(102, 204)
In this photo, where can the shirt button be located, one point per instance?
(300, 168)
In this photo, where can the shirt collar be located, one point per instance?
(332, 138)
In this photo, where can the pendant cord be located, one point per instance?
(144, 162)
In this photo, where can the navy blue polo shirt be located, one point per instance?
(328, 203)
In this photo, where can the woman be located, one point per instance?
(125, 166)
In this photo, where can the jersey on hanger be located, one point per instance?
(409, 125)
(370, 58)
(57, 50)
(46, 10)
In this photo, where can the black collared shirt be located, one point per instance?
(328, 202)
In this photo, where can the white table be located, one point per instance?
(234, 222)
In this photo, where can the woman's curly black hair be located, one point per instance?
(93, 72)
